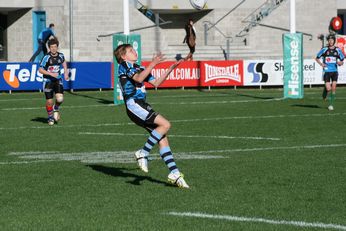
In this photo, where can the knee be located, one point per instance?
(59, 98)
(49, 104)
(167, 126)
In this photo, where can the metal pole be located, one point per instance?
(157, 33)
(205, 34)
(228, 48)
(293, 16)
(71, 29)
(126, 17)
(227, 14)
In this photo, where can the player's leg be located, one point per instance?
(49, 108)
(324, 93)
(59, 99)
(143, 115)
(48, 91)
(333, 78)
(44, 48)
(37, 52)
(327, 79)
(327, 87)
(189, 56)
(332, 96)
(175, 176)
(158, 126)
(192, 51)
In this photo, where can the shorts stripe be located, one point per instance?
(136, 109)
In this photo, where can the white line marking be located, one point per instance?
(270, 148)
(261, 220)
(178, 121)
(218, 102)
(69, 126)
(24, 162)
(260, 117)
(157, 103)
(127, 157)
(9, 100)
(40, 108)
(94, 157)
(182, 136)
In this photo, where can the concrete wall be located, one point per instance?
(314, 21)
(17, 3)
(95, 17)
(341, 4)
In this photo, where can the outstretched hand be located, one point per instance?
(174, 65)
(158, 58)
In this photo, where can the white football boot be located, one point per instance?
(178, 180)
(50, 122)
(142, 161)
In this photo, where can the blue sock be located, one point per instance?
(152, 140)
(167, 157)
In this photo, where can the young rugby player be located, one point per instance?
(332, 57)
(53, 66)
(132, 78)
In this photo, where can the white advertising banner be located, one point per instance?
(270, 73)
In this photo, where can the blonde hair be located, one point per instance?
(120, 51)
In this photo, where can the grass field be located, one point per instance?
(253, 162)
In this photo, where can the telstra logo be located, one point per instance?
(14, 75)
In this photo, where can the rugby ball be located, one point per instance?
(198, 4)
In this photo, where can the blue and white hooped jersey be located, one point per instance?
(53, 64)
(330, 57)
(129, 87)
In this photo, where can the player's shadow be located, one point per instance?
(306, 105)
(100, 100)
(40, 120)
(123, 172)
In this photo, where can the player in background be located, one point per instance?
(190, 39)
(329, 58)
(53, 66)
(131, 79)
(42, 39)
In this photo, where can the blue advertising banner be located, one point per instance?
(83, 75)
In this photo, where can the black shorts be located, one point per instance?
(53, 87)
(141, 113)
(330, 76)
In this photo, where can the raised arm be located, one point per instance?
(157, 81)
(141, 76)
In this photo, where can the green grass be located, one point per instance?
(67, 178)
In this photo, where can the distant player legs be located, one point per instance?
(328, 87)
(49, 108)
(58, 100)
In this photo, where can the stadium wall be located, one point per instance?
(98, 17)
